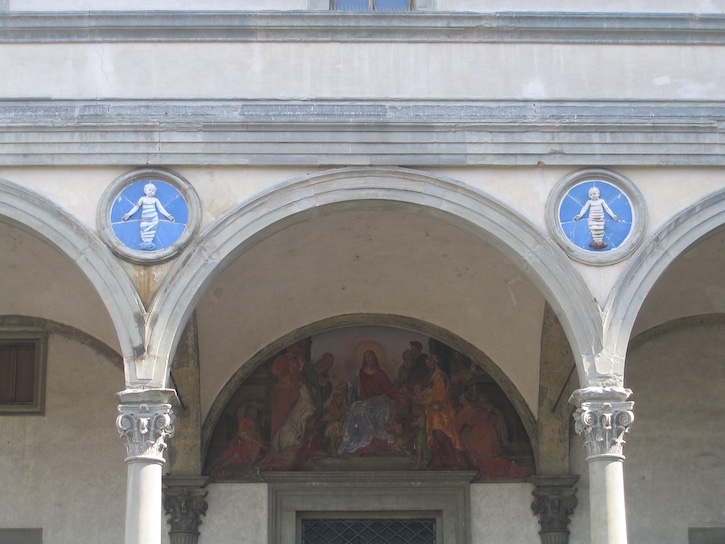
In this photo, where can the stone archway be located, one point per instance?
(360, 188)
(40, 216)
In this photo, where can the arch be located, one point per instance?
(396, 321)
(67, 331)
(380, 188)
(649, 263)
(38, 215)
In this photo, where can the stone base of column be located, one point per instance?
(183, 538)
(554, 538)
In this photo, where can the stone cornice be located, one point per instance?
(320, 26)
(229, 132)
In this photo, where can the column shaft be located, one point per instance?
(606, 501)
(143, 503)
(603, 419)
(145, 421)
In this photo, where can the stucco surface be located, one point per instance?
(371, 262)
(651, 6)
(360, 71)
(64, 471)
(673, 472)
(51, 286)
(693, 285)
(237, 513)
(502, 513)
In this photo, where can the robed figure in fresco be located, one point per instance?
(311, 416)
(247, 445)
(483, 433)
(369, 416)
(444, 441)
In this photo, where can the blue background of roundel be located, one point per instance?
(168, 232)
(615, 233)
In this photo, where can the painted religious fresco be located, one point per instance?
(369, 398)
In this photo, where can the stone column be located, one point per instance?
(554, 503)
(184, 504)
(603, 418)
(145, 421)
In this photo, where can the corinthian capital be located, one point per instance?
(145, 424)
(554, 503)
(603, 418)
(184, 503)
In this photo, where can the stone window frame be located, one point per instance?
(40, 340)
(443, 496)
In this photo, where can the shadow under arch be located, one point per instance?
(395, 321)
(39, 216)
(66, 331)
(650, 262)
(374, 188)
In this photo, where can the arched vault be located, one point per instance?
(44, 219)
(649, 263)
(318, 194)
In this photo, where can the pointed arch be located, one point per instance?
(44, 219)
(318, 194)
(650, 262)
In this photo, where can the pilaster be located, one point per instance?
(184, 503)
(554, 503)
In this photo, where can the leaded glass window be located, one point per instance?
(368, 531)
(372, 5)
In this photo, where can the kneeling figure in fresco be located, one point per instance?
(245, 448)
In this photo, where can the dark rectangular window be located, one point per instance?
(368, 531)
(17, 373)
(706, 535)
(22, 372)
(21, 536)
(372, 5)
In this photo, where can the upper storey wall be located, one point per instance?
(360, 71)
(332, 88)
(361, 56)
(479, 6)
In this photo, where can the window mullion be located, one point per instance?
(13, 374)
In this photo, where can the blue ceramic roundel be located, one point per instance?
(596, 216)
(149, 215)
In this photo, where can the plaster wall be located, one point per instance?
(64, 471)
(502, 513)
(238, 514)
(486, 6)
(695, 280)
(371, 262)
(78, 190)
(674, 469)
(38, 281)
(666, 191)
(357, 71)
